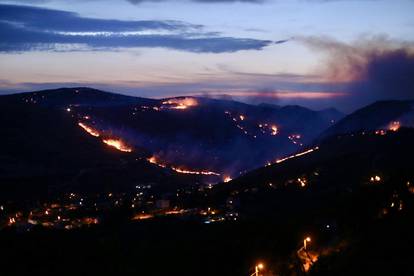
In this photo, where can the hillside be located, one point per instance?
(193, 134)
(379, 115)
(44, 152)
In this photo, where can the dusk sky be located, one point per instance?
(309, 52)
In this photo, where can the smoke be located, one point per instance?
(375, 68)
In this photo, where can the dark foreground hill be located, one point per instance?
(353, 197)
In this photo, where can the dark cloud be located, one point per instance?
(24, 28)
(371, 69)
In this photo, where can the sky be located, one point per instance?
(316, 53)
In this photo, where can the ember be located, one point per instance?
(275, 130)
(394, 126)
(118, 144)
(227, 179)
(295, 155)
(184, 171)
(180, 103)
(89, 130)
(154, 160)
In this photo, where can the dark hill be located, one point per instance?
(43, 152)
(375, 116)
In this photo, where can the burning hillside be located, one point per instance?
(294, 156)
(118, 144)
(179, 103)
(154, 160)
(394, 126)
(210, 138)
(89, 130)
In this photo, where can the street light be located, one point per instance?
(305, 241)
(257, 268)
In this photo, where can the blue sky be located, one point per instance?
(269, 50)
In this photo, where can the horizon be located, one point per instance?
(219, 97)
(296, 52)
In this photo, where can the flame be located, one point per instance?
(184, 171)
(394, 126)
(118, 144)
(227, 179)
(295, 155)
(89, 130)
(154, 160)
(142, 216)
(275, 130)
(181, 103)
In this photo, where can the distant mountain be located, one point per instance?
(331, 114)
(379, 115)
(71, 96)
(191, 133)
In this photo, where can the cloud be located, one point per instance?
(25, 28)
(200, 1)
(373, 68)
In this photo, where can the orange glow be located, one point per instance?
(89, 130)
(394, 126)
(227, 179)
(180, 103)
(275, 130)
(184, 171)
(296, 155)
(118, 144)
(153, 160)
(142, 216)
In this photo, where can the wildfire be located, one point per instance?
(227, 179)
(155, 161)
(142, 216)
(182, 103)
(394, 126)
(184, 171)
(118, 144)
(275, 130)
(295, 155)
(89, 130)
